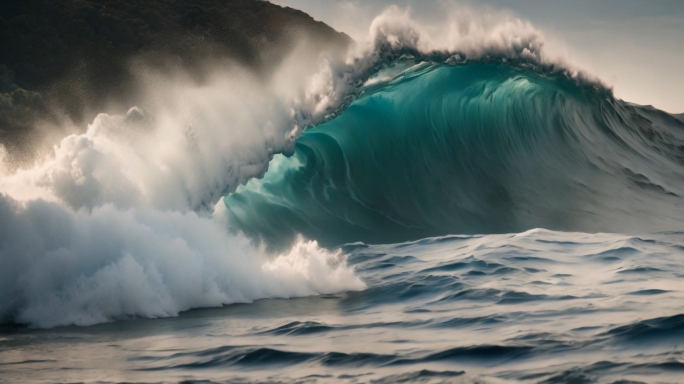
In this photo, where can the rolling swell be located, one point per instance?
(482, 147)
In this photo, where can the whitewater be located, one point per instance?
(452, 206)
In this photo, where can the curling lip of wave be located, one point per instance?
(394, 36)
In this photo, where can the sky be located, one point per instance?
(636, 46)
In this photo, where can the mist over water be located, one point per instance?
(130, 203)
(439, 143)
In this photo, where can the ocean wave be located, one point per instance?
(482, 147)
(122, 221)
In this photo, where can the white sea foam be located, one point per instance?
(63, 267)
(118, 221)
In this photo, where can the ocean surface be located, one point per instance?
(397, 239)
(533, 307)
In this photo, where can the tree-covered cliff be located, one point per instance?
(72, 57)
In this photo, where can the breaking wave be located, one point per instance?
(477, 147)
(486, 133)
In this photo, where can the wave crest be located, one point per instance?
(483, 147)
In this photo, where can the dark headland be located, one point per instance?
(72, 59)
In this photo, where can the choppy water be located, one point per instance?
(537, 307)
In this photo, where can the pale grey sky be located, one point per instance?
(637, 46)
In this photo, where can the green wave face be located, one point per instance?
(475, 148)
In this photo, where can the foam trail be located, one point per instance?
(64, 267)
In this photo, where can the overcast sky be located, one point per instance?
(637, 46)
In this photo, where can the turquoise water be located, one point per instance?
(476, 148)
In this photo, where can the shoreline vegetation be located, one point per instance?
(69, 60)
